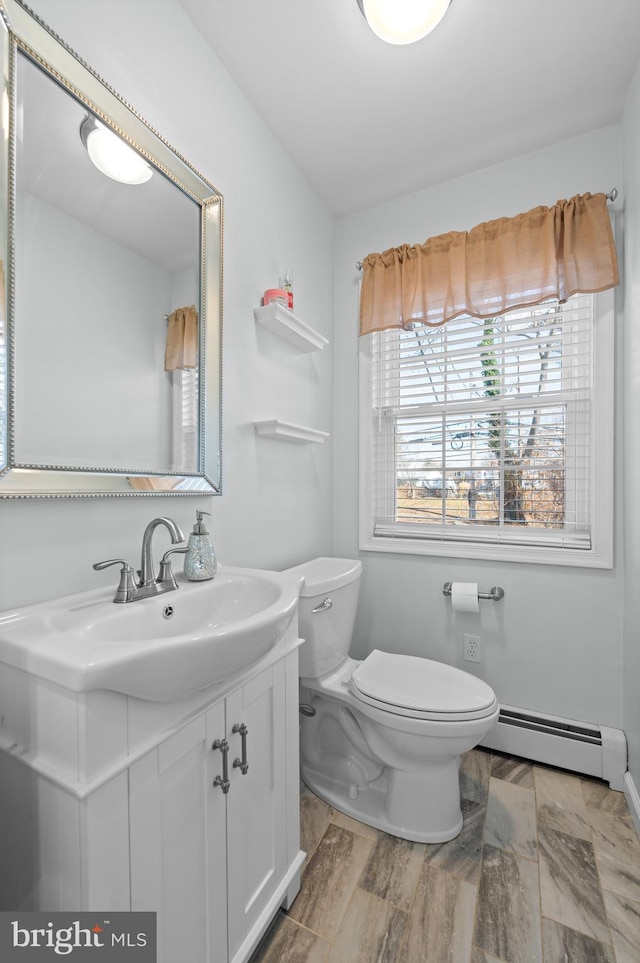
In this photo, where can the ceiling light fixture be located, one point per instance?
(111, 155)
(403, 21)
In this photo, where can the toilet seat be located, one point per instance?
(420, 688)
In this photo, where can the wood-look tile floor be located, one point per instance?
(545, 870)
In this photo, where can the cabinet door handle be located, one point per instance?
(223, 780)
(241, 764)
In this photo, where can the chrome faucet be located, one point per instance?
(147, 573)
(131, 589)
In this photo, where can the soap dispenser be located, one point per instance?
(200, 559)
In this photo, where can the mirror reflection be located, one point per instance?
(99, 265)
(115, 305)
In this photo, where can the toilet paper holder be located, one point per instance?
(496, 594)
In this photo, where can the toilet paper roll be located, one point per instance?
(464, 597)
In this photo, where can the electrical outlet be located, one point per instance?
(472, 651)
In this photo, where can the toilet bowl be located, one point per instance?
(381, 739)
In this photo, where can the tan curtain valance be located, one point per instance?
(549, 252)
(182, 339)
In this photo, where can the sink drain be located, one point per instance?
(167, 612)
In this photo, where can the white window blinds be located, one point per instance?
(185, 420)
(481, 430)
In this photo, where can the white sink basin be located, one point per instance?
(214, 631)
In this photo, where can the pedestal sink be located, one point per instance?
(159, 649)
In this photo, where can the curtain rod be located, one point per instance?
(611, 196)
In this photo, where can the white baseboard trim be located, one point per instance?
(633, 799)
(580, 747)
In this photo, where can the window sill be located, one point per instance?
(574, 558)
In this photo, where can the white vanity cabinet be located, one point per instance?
(208, 861)
(178, 848)
(109, 802)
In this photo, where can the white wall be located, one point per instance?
(277, 501)
(555, 643)
(631, 376)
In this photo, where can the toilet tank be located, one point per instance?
(331, 587)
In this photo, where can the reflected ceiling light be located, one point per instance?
(111, 155)
(403, 21)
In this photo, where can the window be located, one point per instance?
(492, 438)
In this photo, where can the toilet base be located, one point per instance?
(374, 804)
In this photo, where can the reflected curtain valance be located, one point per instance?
(182, 339)
(512, 262)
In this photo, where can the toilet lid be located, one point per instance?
(412, 683)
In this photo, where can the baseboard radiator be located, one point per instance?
(580, 747)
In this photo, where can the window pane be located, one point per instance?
(485, 425)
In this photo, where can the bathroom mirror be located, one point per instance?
(100, 280)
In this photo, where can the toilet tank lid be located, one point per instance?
(322, 575)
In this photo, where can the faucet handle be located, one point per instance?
(127, 585)
(166, 573)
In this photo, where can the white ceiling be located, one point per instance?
(367, 121)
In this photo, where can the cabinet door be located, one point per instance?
(178, 842)
(256, 803)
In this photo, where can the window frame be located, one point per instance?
(599, 555)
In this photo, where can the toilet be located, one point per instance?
(381, 739)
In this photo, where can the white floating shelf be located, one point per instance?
(286, 325)
(284, 431)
